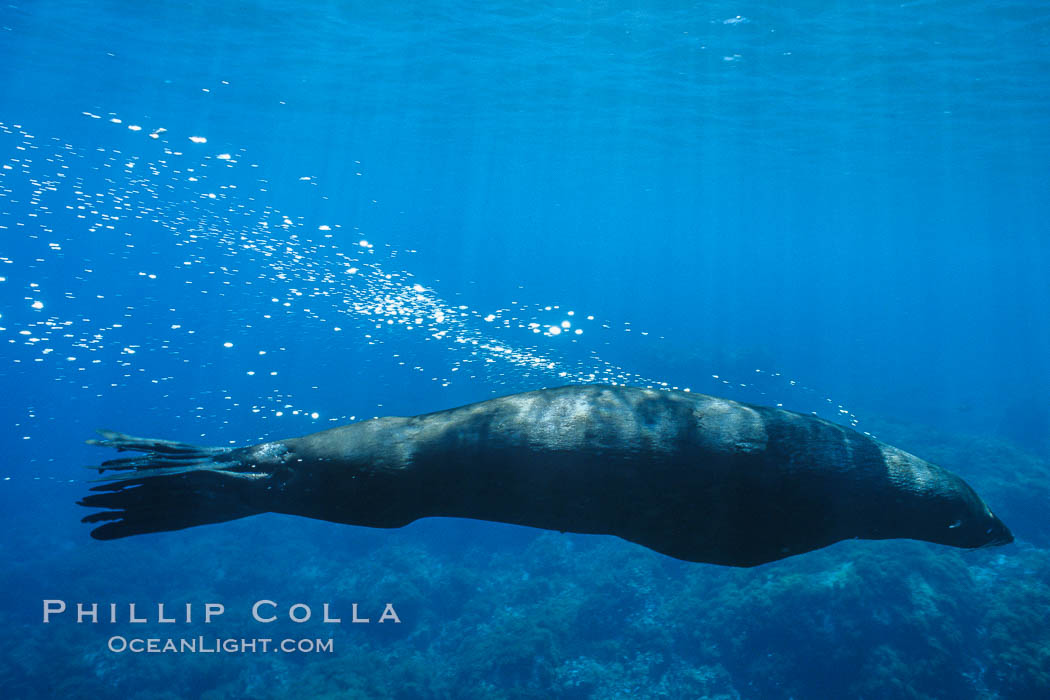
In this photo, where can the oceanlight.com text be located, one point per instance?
(217, 645)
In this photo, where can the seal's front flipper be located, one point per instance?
(172, 486)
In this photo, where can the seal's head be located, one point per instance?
(935, 505)
(957, 516)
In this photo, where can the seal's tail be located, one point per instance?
(172, 486)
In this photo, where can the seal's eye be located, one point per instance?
(955, 524)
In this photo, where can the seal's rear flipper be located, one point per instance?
(163, 455)
(172, 486)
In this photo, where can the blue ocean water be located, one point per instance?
(232, 222)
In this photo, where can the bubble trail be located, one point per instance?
(214, 205)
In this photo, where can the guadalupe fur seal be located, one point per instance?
(695, 477)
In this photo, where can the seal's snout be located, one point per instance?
(998, 533)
